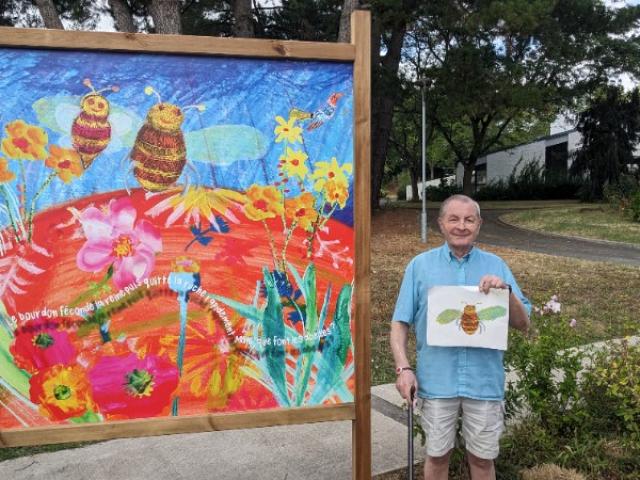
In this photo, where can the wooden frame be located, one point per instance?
(357, 52)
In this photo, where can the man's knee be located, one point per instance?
(480, 463)
(440, 461)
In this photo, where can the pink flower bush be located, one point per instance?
(114, 238)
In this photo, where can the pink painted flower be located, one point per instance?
(40, 344)
(114, 238)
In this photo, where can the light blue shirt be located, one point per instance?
(447, 372)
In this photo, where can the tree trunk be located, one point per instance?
(166, 16)
(344, 33)
(243, 20)
(49, 14)
(414, 185)
(122, 16)
(382, 108)
(467, 177)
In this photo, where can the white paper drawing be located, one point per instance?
(462, 316)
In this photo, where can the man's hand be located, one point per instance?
(406, 381)
(491, 281)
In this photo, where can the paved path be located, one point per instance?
(496, 232)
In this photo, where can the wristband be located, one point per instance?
(399, 370)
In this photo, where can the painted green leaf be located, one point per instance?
(273, 328)
(89, 417)
(14, 376)
(491, 313)
(448, 316)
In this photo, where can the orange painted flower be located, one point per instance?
(6, 175)
(302, 210)
(25, 141)
(287, 130)
(61, 392)
(336, 192)
(65, 161)
(263, 202)
(293, 164)
(331, 172)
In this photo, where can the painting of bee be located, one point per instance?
(90, 124)
(469, 320)
(161, 150)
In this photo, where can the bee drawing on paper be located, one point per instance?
(470, 320)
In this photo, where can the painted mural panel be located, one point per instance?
(176, 235)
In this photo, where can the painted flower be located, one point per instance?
(196, 203)
(126, 386)
(293, 163)
(331, 172)
(287, 130)
(6, 175)
(61, 392)
(65, 161)
(301, 210)
(263, 202)
(39, 344)
(114, 238)
(335, 192)
(25, 141)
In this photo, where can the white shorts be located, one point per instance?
(482, 425)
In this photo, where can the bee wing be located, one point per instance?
(58, 112)
(125, 124)
(448, 316)
(225, 144)
(491, 313)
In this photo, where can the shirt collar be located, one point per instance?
(449, 256)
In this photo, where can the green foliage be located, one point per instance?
(530, 183)
(612, 390)
(610, 129)
(625, 196)
(443, 191)
(634, 206)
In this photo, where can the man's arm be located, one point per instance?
(407, 378)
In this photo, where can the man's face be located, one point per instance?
(460, 225)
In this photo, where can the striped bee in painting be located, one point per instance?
(470, 319)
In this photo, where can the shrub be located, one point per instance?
(442, 191)
(634, 207)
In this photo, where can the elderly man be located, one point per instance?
(450, 379)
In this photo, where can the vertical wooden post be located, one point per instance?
(361, 429)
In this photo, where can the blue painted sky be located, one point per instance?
(234, 91)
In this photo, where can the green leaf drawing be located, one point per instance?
(448, 316)
(491, 313)
(273, 328)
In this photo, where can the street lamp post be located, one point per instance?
(423, 217)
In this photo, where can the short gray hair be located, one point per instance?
(459, 198)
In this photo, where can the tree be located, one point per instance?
(610, 129)
(243, 20)
(492, 63)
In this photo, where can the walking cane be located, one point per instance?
(410, 427)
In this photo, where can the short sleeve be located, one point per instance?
(510, 280)
(406, 303)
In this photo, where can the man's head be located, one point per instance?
(460, 222)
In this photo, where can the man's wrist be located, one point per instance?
(399, 370)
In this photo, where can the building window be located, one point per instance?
(555, 160)
(480, 176)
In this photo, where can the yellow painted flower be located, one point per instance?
(302, 210)
(336, 192)
(65, 161)
(196, 203)
(293, 164)
(25, 141)
(331, 172)
(6, 175)
(61, 392)
(263, 202)
(287, 130)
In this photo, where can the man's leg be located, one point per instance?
(482, 426)
(481, 468)
(439, 421)
(437, 468)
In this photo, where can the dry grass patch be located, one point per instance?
(551, 472)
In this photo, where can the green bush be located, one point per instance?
(442, 191)
(634, 207)
(531, 183)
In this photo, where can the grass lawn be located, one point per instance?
(589, 221)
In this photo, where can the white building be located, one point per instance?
(553, 152)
